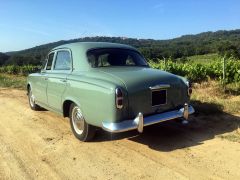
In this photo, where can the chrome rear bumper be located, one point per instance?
(139, 122)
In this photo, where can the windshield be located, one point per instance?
(115, 57)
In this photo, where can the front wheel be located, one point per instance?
(80, 128)
(31, 100)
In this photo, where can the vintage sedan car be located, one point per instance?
(107, 85)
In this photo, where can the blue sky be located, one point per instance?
(27, 23)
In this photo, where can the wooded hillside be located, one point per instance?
(187, 45)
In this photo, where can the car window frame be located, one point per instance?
(92, 49)
(55, 58)
(54, 55)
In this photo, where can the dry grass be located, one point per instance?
(209, 99)
(212, 93)
(12, 81)
(233, 136)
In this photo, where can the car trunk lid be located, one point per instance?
(144, 85)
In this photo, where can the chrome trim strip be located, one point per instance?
(159, 86)
(128, 125)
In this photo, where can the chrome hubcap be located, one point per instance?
(77, 120)
(31, 99)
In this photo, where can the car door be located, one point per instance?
(57, 78)
(40, 89)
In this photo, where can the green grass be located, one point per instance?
(203, 59)
(19, 70)
(200, 59)
(12, 81)
(233, 88)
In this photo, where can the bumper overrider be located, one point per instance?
(139, 122)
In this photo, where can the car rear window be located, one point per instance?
(115, 57)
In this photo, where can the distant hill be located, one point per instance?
(187, 45)
(3, 58)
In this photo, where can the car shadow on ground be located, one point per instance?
(209, 121)
(42, 109)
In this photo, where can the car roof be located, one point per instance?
(94, 45)
(79, 51)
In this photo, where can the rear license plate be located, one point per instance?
(159, 97)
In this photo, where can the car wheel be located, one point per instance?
(80, 128)
(31, 100)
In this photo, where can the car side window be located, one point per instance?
(63, 60)
(50, 60)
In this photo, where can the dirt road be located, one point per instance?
(40, 145)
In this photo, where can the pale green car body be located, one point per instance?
(94, 89)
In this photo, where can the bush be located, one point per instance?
(21, 70)
(192, 71)
(200, 72)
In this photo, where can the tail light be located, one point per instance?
(119, 98)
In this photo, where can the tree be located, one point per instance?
(229, 50)
(3, 58)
